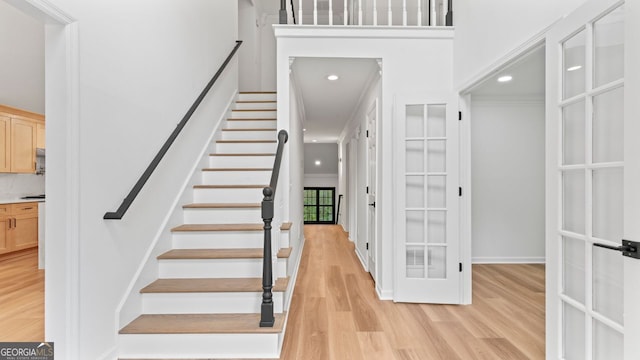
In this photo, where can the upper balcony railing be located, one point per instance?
(424, 13)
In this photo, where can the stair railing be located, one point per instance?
(118, 214)
(266, 314)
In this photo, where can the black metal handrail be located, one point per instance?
(118, 214)
(266, 315)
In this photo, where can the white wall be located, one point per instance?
(410, 65)
(21, 60)
(322, 180)
(142, 66)
(507, 175)
(295, 151)
(488, 30)
(248, 55)
(355, 131)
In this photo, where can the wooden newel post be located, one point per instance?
(266, 318)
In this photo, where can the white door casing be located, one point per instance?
(593, 183)
(426, 204)
(372, 117)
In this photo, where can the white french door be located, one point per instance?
(593, 183)
(426, 202)
(372, 117)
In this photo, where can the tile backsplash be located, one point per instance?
(14, 186)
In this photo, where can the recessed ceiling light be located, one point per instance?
(304, 129)
(574, 68)
(505, 78)
(314, 140)
(332, 77)
(318, 163)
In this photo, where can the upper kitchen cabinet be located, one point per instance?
(20, 133)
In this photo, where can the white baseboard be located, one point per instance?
(508, 260)
(362, 261)
(292, 281)
(384, 294)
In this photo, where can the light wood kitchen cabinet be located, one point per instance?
(20, 133)
(19, 226)
(40, 136)
(4, 229)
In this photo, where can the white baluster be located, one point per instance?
(315, 12)
(330, 12)
(433, 17)
(390, 15)
(445, 10)
(375, 13)
(300, 12)
(346, 13)
(419, 13)
(404, 12)
(360, 12)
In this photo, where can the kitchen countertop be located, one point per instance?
(18, 201)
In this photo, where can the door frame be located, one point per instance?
(62, 226)
(464, 105)
(372, 239)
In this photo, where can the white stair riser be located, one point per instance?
(241, 161)
(235, 195)
(249, 135)
(256, 105)
(218, 239)
(284, 239)
(189, 346)
(203, 303)
(252, 124)
(246, 148)
(258, 97)
(253, 114)
(222, 216)
(236, 177)
(221, 268)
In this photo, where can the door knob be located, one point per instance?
(373, 204)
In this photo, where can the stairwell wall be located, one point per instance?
(142, 64)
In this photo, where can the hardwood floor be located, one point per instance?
(21, 298)
(335, 313)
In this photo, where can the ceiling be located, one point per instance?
(528, 78)
(328, 105)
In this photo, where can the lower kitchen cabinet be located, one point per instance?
(19, 222)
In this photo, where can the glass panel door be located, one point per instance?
(319, 205)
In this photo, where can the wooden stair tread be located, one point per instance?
(222, 206)
(246, 141)
(286, 226)
(212, 285)
(237, 169)
(202, 324)
(262, 154)
(219, 227)
(192, 254)
(230, 186)
(261, 129)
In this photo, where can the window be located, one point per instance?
(319, 205)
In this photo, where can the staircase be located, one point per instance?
(206, 302)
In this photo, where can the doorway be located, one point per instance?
(319, 205)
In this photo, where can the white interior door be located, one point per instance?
(426, 226)
(372, 117)
(593, 184)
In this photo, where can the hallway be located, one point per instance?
(335, 313)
